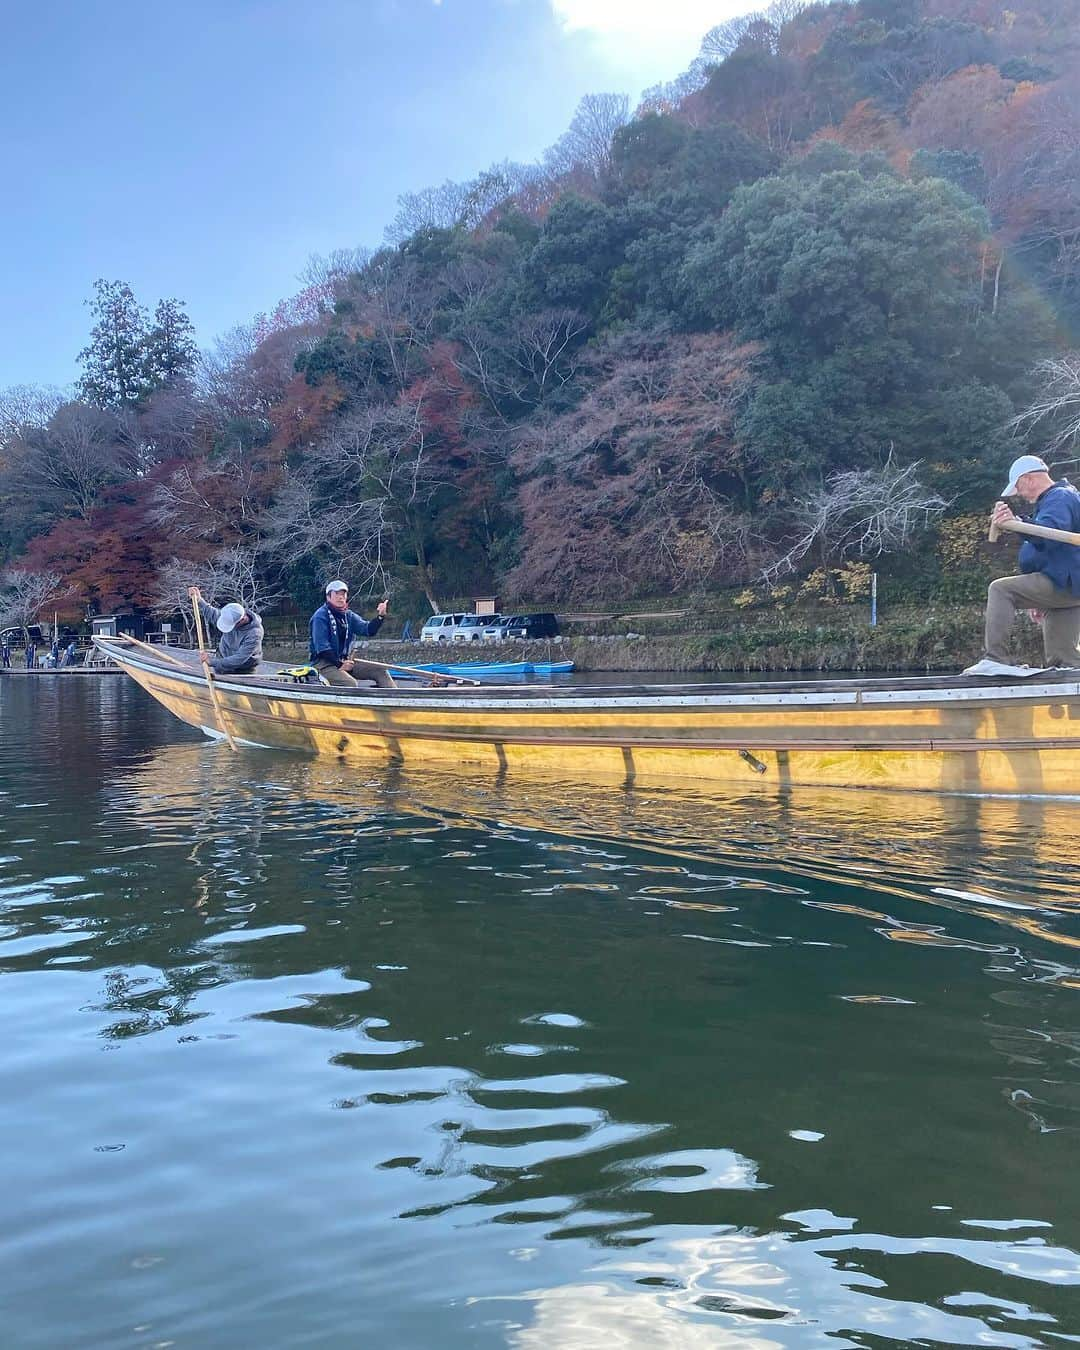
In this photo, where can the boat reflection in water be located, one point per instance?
(761, 1063)
(1012, 861)
(480, 1061)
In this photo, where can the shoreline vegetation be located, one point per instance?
(779, 328)
(915, 639)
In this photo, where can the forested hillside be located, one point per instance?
(798, 308)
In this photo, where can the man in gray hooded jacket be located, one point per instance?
(240, 645)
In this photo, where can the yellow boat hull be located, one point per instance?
(967, 736)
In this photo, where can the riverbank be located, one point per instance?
(915, 640)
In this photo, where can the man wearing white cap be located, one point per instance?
(333, 628)
(1049, 584)
(240, 645)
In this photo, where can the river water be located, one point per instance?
(295, 1054)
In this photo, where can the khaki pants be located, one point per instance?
(335, 675)
(1034, 590)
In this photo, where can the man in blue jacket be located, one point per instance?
(1049, 584)
(333, 627)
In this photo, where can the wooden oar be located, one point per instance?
(416, 670)
(209, 673)
(1041, 531)
(154, 651)
(426, 674)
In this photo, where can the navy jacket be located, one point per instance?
(1059, 507)
(324, 634)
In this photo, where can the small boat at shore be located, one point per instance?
(478, 670)
(951, 733)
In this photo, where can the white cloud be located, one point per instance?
(656, 39)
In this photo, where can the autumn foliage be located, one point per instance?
(845, 237)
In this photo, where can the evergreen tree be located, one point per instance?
(114, 363)
(128, 357)
(169, 348)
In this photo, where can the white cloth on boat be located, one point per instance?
(988, 666)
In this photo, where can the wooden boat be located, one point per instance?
(943, 734)
(486, 670)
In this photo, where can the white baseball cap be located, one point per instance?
(229, 617)
(336, 586)
(1025, 464)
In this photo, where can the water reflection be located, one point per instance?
(291, 1049)
(1012, 862)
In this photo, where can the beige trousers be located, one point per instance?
(335, 675)
(1034, 590)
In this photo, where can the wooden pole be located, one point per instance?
(427, 674)
(209, 673)
(434, 675)
(161, 656)
(1039, 531)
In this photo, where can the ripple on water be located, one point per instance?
(524, 1050)
(562, 1084)
(343, 1109)
(240, 935)
(1027, 1259)
(554, 1019)
(695, 1170)
(42, 942)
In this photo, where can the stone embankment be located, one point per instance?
(942, 638)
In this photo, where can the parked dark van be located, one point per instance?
(11, 637)
(532, 626)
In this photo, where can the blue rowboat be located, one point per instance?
(492, 670)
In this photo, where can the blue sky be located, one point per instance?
(204, 150)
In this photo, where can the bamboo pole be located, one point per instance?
(209, 673)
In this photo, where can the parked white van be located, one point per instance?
(441, 627)
(456, 627)
(471, 628)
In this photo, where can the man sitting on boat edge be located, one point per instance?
(1049, 581)
(240, 645)
(333, 627)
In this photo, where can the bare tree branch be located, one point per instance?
(231, 574)
(585, 147)
(861, 513)
(453, 206)
(327, 269)
(68, 461)
(1057, 403)
(27, 405)
(25, 594)
(360, 494)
